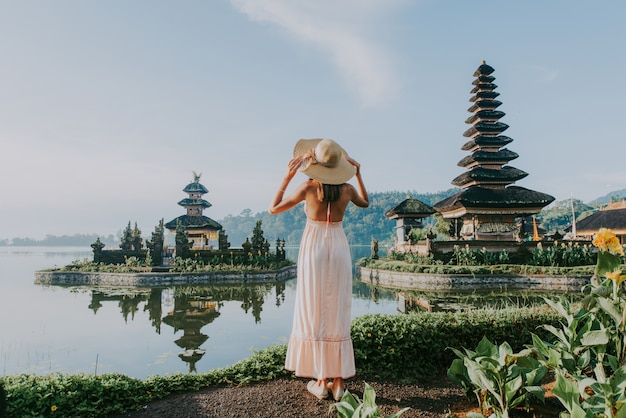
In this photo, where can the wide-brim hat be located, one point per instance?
(324, 160)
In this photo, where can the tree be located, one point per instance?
(126, 242)
(155, 244)
(182, 240)
(258, 240)
(442, 226)
(137, 241)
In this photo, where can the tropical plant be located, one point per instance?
(500, 379)
(588, 397)
(562, 254)
(351, 406)
(589, 354)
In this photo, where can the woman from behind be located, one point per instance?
(320, 346)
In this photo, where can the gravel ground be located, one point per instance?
(290, 398)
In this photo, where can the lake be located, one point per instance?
(142, 332)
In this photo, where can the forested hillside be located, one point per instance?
(361, 225)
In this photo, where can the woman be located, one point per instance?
(320, 346)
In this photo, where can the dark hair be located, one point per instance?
(328, 192)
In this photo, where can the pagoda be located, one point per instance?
(202, 231)
(489, 206)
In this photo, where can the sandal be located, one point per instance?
(336, 392)
(319, 391)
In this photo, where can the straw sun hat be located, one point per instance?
(324, 160)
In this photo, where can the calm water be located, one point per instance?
(141, 332)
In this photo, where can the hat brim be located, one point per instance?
(339, 174)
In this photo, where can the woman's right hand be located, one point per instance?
(293, 166)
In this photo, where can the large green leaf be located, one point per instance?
(607, 263)
(598, 337)
(369, 397)
(609, 307)
(567, 392)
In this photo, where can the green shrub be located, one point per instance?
(408, 347)
(73, 395)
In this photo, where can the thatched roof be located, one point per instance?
(480, 128)
(484, 95)
(502, 156)
(491, 115)
(614, 219)
(483, 87)
(194, 222)
(484, 104)
(483, 69)
(194, 202)
(509, 198)
(195, 187)
(487, 141)
(410, 208)
(483, 79)
(504, 175)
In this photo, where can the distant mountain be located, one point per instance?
(608, 198)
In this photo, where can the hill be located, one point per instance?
(609, 197)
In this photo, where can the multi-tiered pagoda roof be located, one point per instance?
(201, 228)
(487, 184)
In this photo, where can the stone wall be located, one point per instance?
(426, 281)
(152, 279)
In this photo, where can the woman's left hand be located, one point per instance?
(354, 163)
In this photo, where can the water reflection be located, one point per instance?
(188, 309)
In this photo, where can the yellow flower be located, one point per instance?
(605, 240)
(369, 334)
(615, 247)
(53, 408)
(599, 240)
(616, 276)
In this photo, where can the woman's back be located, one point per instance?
(319, 210)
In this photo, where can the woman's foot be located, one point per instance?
(318, 389)
(337, 389)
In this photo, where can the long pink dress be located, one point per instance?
(320, 346)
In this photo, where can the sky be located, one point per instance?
(107, 108)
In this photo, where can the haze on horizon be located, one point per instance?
(106, 108)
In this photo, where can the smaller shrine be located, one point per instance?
(409, 215)
(203, 231)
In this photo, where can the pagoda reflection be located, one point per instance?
(189, 309)
(190, 314)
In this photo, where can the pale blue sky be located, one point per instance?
(106, 107)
